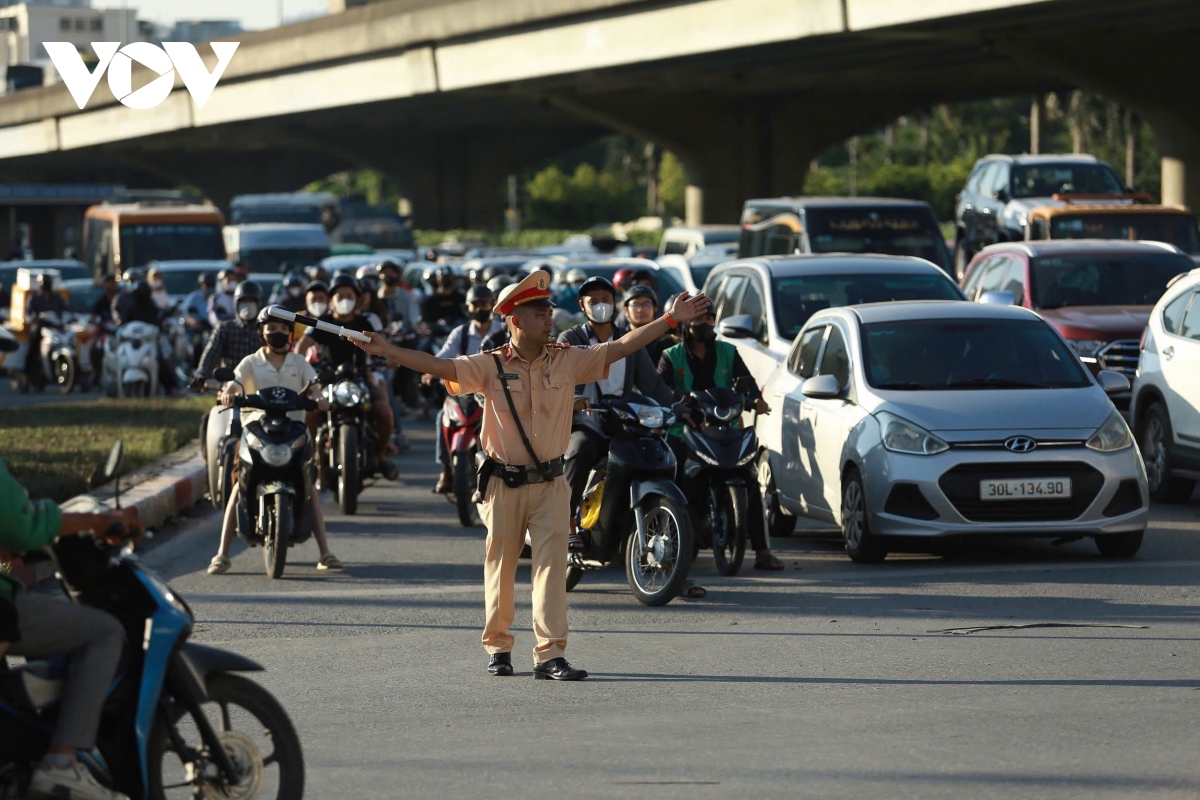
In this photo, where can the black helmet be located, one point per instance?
(293, 279)
(264, 317)
(497, 283)
(344, 279)
(247, 290)
(206, 279)
(141, 290)
(45, 281)
(492, 272)
(479, 293)
(316, 286)
(598, 282)
(390, 262)
(639, 291)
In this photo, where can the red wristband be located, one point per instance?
(671, 323)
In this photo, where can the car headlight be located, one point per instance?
(1112, 436)
(348, 393)
(902, 436)
(1086, 347)
(651, 416)
(277, 455)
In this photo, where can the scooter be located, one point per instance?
(461, 417)
(275, 487)
(174, 710)
(632, 507)
(220, 433)
(56, 353)
(131, 361)
(346, 446)
(718, 473)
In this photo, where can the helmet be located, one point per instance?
(264, 317)
(597, 282)
(574, 275)
(134, 274)
(639, 291)
(622, 277)
(247, 290)
(206, 279)
(434, 276)
(316, 286)
(293, 279)
(478, 293)
(141, 290)
(492, 272)
(45, 281)
(368, 273)
(226, 273)
(498, 283)
(390, 262)
(344, 279)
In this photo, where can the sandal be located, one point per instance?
(575, 543)
(329, 561)
(389, 470)
(693, 590)
(219, 565)
(768, 561)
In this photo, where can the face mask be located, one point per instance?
(247, 311)
(703, 333)
(294, 291)
(391, 280)
(318, 309)
(481, 315)
(600, 312)
(277, 340)
(345, 305)
(157, 284)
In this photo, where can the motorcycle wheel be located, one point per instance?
(255, 731)
(574, 574)
(729, 529)
(279, 535)
(64, 374)
(347, 482)
(464, 489)
(657, 575)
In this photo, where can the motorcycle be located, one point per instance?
(346, 441)
(406, 383)
(461, 417)
(177, 350)
(631, 505)
(275, 491)
(718, 471)
(56, 350)
(131, 361)
(220, 432)
(175, 707)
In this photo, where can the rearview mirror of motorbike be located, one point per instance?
(110, 470)
(212, 383)
(223, 374)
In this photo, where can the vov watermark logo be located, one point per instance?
(118, 61)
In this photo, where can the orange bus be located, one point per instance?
(120, 236)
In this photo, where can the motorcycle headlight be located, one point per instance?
(902, 436)
(651, 416)
(300, 441)
(348, 393)
(1085, 348)
(1112, 436)
(277, 455)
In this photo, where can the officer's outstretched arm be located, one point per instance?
(413, 359)
(681, 309)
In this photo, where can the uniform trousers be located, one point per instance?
(544, 510)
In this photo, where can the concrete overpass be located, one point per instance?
(448, 97)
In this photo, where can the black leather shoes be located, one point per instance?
(557, 669)
(500, 664)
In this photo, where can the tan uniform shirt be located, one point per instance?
(543, 392)
(256, 373)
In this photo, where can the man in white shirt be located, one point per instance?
(465, 340)
(274, 364)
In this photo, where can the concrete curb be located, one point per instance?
(158, 491)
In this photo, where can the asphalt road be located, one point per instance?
(828, 680)
(11, 398)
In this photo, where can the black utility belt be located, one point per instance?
(517, 475)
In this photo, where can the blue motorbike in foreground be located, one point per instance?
(180, 721)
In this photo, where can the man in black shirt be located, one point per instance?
(335, 350)
(446, 302)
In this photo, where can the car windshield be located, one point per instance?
(303, 214)
(720, 237)
(1046, 180)
(66, 271)
(142, 243)
(83, 297)
(798, 297)
(271, 259)
(1177, 229)
(966, 354)
(183, 281)
(700, 274)
(886, 231)
(1103, 279)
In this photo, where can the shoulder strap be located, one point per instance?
(465, 340)
(543, 467)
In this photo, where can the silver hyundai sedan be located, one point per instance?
(929, 419)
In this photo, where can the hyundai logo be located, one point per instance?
(1020, 444)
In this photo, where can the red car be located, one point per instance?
(1097, 293)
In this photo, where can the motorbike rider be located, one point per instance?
(336, 350)
(446, 302)
(236, 338)
(274, 364)
(700, 362)
(137, 306)
(568, 291)
(291, 296)
(48, 626)
(104, 318)
(316, 303)
(641, 308)
(397, 298)
(195, 305)
(221, 304)
(369, 304)
(465, 340)
(45, 301)
(158, 289)
(635, 373)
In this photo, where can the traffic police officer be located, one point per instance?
(528, 388)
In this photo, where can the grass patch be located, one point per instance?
(53, 449)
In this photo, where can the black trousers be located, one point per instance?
(756, 528)
(584, 451)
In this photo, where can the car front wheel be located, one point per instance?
(862, 546)
(1156, 440)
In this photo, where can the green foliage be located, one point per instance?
(375, 187)
(586, 197)
(672, 185)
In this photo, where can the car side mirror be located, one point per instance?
(1112, 382)
(998, 298)
(223, 374)
(1003, 196)
(739, 326)
(821, 387)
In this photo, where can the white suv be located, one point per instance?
(1165, 406)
